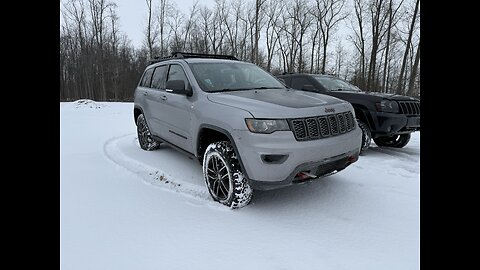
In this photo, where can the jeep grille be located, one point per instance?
(318, 127)
(409, 107)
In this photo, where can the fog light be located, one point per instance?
(275, 159)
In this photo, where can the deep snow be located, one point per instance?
(125, 208)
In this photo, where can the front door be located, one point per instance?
(177, 112)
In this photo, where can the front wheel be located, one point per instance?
(397, 141)
(223, 176)
(366, 135)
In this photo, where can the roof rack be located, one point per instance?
(183, 55)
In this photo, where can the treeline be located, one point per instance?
(97, 61)
(375, 44)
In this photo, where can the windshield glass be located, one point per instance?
(231, 76)
(335, 84)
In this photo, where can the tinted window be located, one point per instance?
(158, 80)
(301, 83)
(147, 77)
(176, 73)
(335, 84)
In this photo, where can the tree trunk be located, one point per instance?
(387, 47)
(413, 74)
(400, 86)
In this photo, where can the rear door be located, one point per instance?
(156, 105)
(143, 96)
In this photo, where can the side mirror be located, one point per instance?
(178, 87)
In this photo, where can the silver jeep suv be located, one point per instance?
(247, 128)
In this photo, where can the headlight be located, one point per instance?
(266, 125)
(387, 106)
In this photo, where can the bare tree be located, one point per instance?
(391, 22)
(175, 23)
(413, 75)
(151, 34)
(296, 24)
(340, 55)
(272, 11)
(400, 85)
(189, 24)
(313, 37)
(359, 41)
(328, 13)
(97, 60)
(206, 18)
(258, 6)
(164, 7)
(378, 16)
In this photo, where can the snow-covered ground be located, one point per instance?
(125, 208)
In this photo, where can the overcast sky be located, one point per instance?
(133, 16)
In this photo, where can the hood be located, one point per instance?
(374, 96)
(279, 103)
(390, 96)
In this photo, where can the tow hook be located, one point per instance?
(305, 175)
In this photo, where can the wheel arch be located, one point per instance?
(362, 113)
(208, 134)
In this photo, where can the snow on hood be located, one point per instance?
(279, 103)
(390, 96)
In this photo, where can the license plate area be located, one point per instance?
(413, 122)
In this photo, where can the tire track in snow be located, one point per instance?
(150, 175)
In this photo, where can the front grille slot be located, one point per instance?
(321, 127)
(324, 127)
(409, 107)
(332, 120)
(299, 129)
(312, 128)
(341, 123)
(349, 121)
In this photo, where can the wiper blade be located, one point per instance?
(229, 89)
(241, 89)
(264, 87)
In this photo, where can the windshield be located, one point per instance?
(231, 76)
(335, 84)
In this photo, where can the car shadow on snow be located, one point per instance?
(326, 191)
(407, 153)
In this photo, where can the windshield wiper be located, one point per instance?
(347, 89)
(229, 89)
(264, 87)
(241, 89)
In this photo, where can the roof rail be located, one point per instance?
(183, 55)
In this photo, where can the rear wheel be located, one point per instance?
(397, 141)
(223, 176)
(145, 138)
(366, 135)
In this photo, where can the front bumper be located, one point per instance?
(297, 156)
(389, 124)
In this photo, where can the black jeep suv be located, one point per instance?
(387, 118)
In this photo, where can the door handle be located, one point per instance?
(145, 93)
(163, 97)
